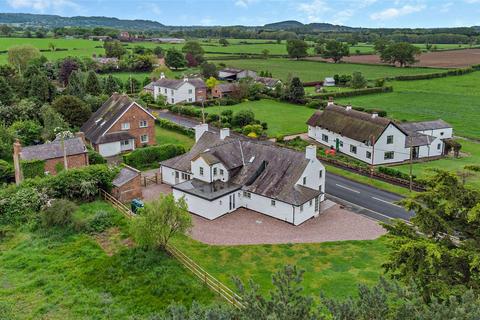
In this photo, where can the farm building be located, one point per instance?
(222, 173)
(223, 89)
(268, 82)
(127, 185)
(329, 82)
(183, 90)
(119, 125)
(376, 140)
(233, 74)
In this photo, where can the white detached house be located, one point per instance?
(179, 90)
(376, 140)
(222, 173)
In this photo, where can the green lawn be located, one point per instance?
(470, 155)
(165, 136)
(54, 275)
(315, 71)
(453, 99)
(282, 118)
(335, 268)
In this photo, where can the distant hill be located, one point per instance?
(53, 21)
(316, 26)
(284, 25)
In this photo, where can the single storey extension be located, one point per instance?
(376, 140)
(223, 172)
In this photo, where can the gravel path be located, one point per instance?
(248, 227)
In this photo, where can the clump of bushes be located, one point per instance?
(148, 157)
(394, 173)
(94, 157)
(472, 167)
(58, 213)
(7, 173)
(32, 168)
(167, 124)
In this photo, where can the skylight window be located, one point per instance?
(251, 159)
(98, 120)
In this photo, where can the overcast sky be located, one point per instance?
(360, 13)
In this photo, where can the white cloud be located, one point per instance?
(244, 3)
(446, 7)
(343, 16)
(206, 21)
(57, 6)
(314, 10)
(392, 13)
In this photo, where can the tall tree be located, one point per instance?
(75, 85)
(440, 250)
(52, 121)
(27, 131)
(72, 109)
(295, 91)
(41, 88)
(114, 49)
(92, 84)
(110, 86)
(66, 67)
(209, 70)
(335, 50)
(194, 48)
(358, 80)
(175, 59)
(20, 56)
(402, 53)
(6, 92)
(297, 48)
(160, 220)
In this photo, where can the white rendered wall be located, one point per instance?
(179, 95)
(207, 170)
(168, 176)
(109, 149)
(207, 209)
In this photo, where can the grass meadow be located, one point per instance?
(61, 275)
(315, 71)
(165, 136)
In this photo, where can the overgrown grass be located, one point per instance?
(165, 136)
(335, 268)
(61, 275)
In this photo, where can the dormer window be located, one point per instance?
(126, 126)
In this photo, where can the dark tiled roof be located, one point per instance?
(416, 139)
(53, 149)
(177, 83)
(424, 125)
(264, 169)
(115, 136)
(357, 125)
(125, 175)
(209, 191)
(105, 117)
(226, 87)
(232, 70)
(270, 82)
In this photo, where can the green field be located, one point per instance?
(282, 118)
(453, 99)
(316, 71)
(55, 275)
(165, 136)
(335, 268)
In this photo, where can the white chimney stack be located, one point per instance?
(162, 75)
(374, 115)
(311, 152)
(199, 130)
(224, 132)
(348, 108)
(330, 102)
(185, 79)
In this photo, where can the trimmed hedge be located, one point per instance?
(394, 173)
(167, 124)
(186, 110)
(149, 157)
(353, 93)
(454, 72)
(32, 168)
(472, 167)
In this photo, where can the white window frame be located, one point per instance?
(390, 139)
(247, 194)
(142, 140)
(272, 203)
(368, 154)
(353, 149)
(143, 123)
(324, 137)
(125, 125)
(125, 143)
(385, 157)
(201, 171)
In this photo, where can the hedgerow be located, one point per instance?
(149, 157)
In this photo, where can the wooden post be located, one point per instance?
(411, 165)
(372, 167)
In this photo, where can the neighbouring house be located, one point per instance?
(105, 60)
(233, 74)
(223, 172)
(168, 40)
(329, 82)
(72, 153)
(149, 88)
(127, 185)
(180, 90)
(223, 90)
(268, 82)
(119, 125)
(100, 38)
(376, 140)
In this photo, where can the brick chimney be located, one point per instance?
(330, 101)
(17, 149)
(81, 135)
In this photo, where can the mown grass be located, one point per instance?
(62, 275)
(316, 71)
(165, 136)
(453, 99)
(282, 118)
(335, 268)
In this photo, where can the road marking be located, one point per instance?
(347, 188)
(385, 201)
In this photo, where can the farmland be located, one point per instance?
(314, 71)
(282, 118)
(453, 99)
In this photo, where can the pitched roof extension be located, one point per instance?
(52, 150)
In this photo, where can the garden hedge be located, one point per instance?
(454, 72)
(167, 124)
(149, 157)
(394, 173)
(353, 93)
(32, 168)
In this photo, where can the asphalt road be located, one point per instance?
(358, 197)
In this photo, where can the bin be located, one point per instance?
(137, 204)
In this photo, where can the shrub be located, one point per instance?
(472, 167)
(94, 157)
(167, 124)
(33, 168)
(59, 213)
(242, 118)
(7, 173)
(353, 93)
(18, 204)
(316, 104)
(394, 173)
(255, 128)
(212, 118)
(101, 221)
(150, 156)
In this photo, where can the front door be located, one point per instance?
(232, 202)
(177, 177)
(415, 152)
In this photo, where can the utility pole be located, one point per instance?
(372, 167)
(411, 164)
(203, 112)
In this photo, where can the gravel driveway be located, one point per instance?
(244, 226)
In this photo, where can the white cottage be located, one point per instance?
(179, 90)
(376, 140)
(222, 173)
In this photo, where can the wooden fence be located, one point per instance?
(218, 287)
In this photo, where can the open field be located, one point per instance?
(282, 118)
(165, 136)
(55, 275)
(315, 71)
(438, 59)
(335, 268)
(470, 155)
(453, 99)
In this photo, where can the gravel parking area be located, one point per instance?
(244, 226)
